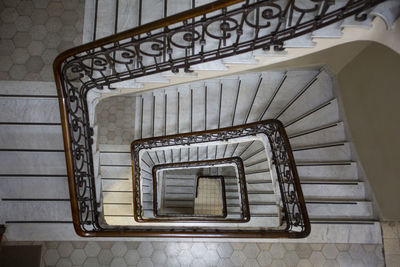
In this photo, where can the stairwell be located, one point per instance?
(329, 174)
(304, 100)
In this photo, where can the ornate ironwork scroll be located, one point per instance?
(294, 209)
(214, 31)
(138, 209)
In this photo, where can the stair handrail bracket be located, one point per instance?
(203, 34)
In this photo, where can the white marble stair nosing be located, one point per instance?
(116, 185)
(332, 133)
(116, 172)
(258, 187)
(316, 92)
(320, 233)
(119, 197)
(114, 148)
(119, 159)
(32, 162)
(324, 114)
(333, 152)
(36, 211)
(34, 187)
(31, 137)
(117, 210)
(295, 81)
(337, 209)
(345, 172)
(177, 182)
(25, 88)
(331, 31)
(39, 110)
(261, 197)
(333, 191)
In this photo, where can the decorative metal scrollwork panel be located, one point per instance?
(172, 45)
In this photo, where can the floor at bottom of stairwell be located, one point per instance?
(207, 254)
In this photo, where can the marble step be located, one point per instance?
(177, 182)
(121, 197)
(28, 88)
(322, 115)
(32, 163)
(333, 191)
(329, 133)
(40, 187)
(119, 172)
(313, 94)
(323, 152)
(116, 185)
(31, 137)
(29, 110)
(255, 222)
(116, 158)
(31, 211)
(295, 81)
(350, 232)
(339, 209)
(327, 170)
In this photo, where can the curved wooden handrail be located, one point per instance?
(72, 93)
(62, 96)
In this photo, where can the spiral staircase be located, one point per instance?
(337, 196)
(304, 100)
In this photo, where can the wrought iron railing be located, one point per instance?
(293, 205)
(138, 208)
(203, 34)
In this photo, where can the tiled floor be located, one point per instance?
(208, 254)
(33, 33)
(115, 131)
(391, 241)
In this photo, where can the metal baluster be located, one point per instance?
(205, 109)
(141, 121)
(226, 146)
(252, 101)
(158, 159)
(140, 13)
(191, 110)
(164, 37)
(236, 101)
(96, 7)
(154, 113)
(148, 154)
(272, 97)
(234, 150)
(255, 153)
(219, 108)
(302, 91)
(252, 142)
(165, 114)
(177, 122)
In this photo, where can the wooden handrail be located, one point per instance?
(162, 218)
(70, 73)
